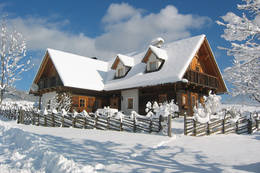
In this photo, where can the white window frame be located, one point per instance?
(120, 72)
(154, 66)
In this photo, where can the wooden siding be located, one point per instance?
(91, 103)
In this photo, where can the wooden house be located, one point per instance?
(184, 70)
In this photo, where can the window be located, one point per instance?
(120, 72)
(130, 104)
(197, 68)
(193, 101)
(184, 99)
(82, 103)
(162, 98)
(152, 66)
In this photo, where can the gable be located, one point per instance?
(204, 62)
(46, 70)
(125, 60)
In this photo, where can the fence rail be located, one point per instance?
(91, 121)
(224, 126)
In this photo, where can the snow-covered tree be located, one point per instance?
(13, 60)
(211, 109)
(243, 32)
(61, 101)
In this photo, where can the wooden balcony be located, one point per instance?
(201, 79)
(49, 83)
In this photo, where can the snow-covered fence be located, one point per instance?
(248, 122)
(84, 120)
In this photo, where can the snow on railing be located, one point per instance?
(107, 119)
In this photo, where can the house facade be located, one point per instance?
(184, 70)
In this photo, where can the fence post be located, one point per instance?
(208, 128)
(194, 128)
(134, 123)
(160, 123)
(85, 123)
(45, 120)
(52, 120)
(74, 122)
(237, 127)
(170, 125)
(96, 120)
(62, 121)
(108, 121)
(150, 126)
(19, 117)
(257, 122)
(223, 125)
(249, 126)
(33, 117)
(121, 124)
(38, 119)
(185, 124)
(22, 117)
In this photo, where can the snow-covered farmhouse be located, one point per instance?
(184, 70)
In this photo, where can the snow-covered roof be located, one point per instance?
(179, 56)
(126, 60)
(78, 71)
(86, 73)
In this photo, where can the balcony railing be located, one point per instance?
(201, 79)
(49, 82)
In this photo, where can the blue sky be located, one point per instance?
(104, 28)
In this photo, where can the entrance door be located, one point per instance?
(114, 103)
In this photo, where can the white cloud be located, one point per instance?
(41, 34)
(138, 30)
(119, 12)
(125, 29)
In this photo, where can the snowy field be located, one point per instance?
(53, 150)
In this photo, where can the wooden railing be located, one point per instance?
(201, 79)
(243, 125)
(90, 121)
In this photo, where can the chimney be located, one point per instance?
(157, 42)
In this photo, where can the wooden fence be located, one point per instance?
(91, 121)
(224, 126)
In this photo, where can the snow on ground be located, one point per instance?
(27, 148)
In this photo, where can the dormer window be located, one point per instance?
(122, 65)
(154, 58)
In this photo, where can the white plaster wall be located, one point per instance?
(129, 94)
(120, 65)
(153, 58)
(46, 97)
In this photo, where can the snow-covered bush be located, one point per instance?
(211, 109)
(156, 110)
